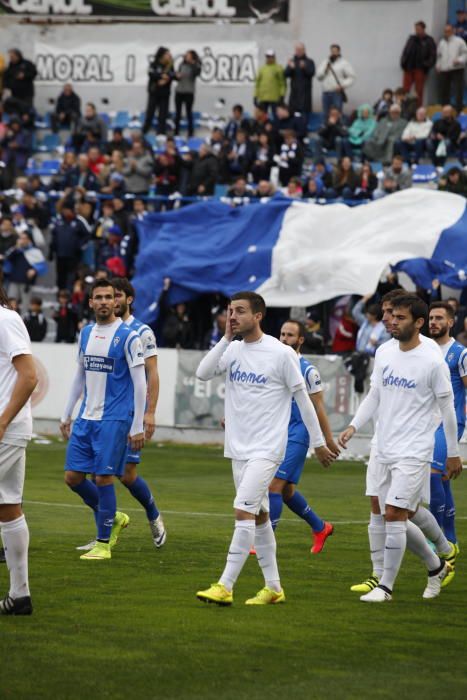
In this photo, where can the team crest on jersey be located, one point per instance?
(450, 356)
(116, 341)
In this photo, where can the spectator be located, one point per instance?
(285, 120)
(203, 175)
(300, 70)
(16, 149)
(454, 181)
(120, 215)
(290, 158)
(418, 58)
(240, 189)
(445, 136)
(138, 169)
(166, 169)
(345, 180)
(294, 188)
(321, 174)
(110, 253)
(331, 135)
(241, 154)
(265, 189)
(118, 142)
(67, 109)
(459, 314)
(371, 333)
(218, 330)
(89, 123)
(23, 265)
(66, 318)
(450, 64)
(367, 183)
(407, 103)
(381, 106)
(161, 74)
(460, 27)
(380, 145)
(462, 336)
(69, 237)
(337, 75)
(35, 321)
(399, 172)
(178, 330)
(33, 211)
(263, 158)
(314, 338)
(19, 79)
(361, 128)
(261, 123)
(189, 70)
(345, 335)
(81, 176)
(270, 83)
(237, 121)
(97, 161)
(412, 145)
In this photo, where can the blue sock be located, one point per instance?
(87, 489)
(140, 490)
(275, 508)
(106, 512)
(300, 507)
(438, 498)
(449, 513)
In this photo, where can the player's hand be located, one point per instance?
(137, 441)
(453, 467)
(149, 425)
(345, 436)
(229, 334)
(332, 447)
(65, 428)
(324, 455)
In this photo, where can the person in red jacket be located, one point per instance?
(346, 334)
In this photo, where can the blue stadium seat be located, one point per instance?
(49, 143)
(44, 169)
(377, 167)
(220, 191)
(121, 121)
(42, 122)
(424, 173)
(315, 121)
(435, 116)
(151, 139)
(462, 119)
(105, 117)
(180, 142)
(194, 143)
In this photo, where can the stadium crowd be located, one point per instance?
(82, 212)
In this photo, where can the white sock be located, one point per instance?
(418, 545)
(396, 541)
(377, 537)
(15, 536)
(426, 521)
(265, 545)
(242, 541)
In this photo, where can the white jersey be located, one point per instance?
(392, 343)
(261, 378)
(14, 341)
(408, 384)
(107, 353)
(146, 335)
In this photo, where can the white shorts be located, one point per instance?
(12, 468)
(374, 473)
(404, 485)
(252, 478)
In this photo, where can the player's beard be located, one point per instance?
(405, 334)
(121, 311)
(439, 333)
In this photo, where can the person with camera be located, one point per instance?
(337, 75)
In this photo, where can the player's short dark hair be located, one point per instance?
(444, 305)
(124, 285)
(300, 326)
(256, 301)
(98, 284)
(393, 294)
(414, 304)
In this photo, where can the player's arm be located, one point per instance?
(366, 411)
(318, 403)
(25, 384)
(152, 378)
(213, 362)
(448, 414)
(76, 390)
(138, 377)
(310, 419)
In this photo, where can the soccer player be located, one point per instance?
(282, 488)
(136, 485)
(441, 321)
(17, 380)
(263, 375)
(409, 381)
(422, 521)
(111, 374)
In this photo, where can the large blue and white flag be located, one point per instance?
(298, 253)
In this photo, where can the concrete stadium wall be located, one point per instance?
(371, 33)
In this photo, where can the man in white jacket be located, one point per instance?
(412, 146)
(337, 75)
(450, 64)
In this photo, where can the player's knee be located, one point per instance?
(129, 476)
(277, 485)
(262, 518)
(393, 514)
(287, 492)
(375, 508)
(243, 515)
(73, 478)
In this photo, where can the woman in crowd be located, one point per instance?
(161, 74)
(186, 76)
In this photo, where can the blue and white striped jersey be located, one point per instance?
(455, 355)
(146, 335)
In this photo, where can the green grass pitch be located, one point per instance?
(133, 628)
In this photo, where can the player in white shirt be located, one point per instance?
(111, 374)
(409, 382)
(17, 380)
(422, 521)
(263, 375)
(136, 485)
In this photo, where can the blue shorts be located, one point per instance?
(133, 456)
(291, 468)
(98, 447)
(440, 453)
